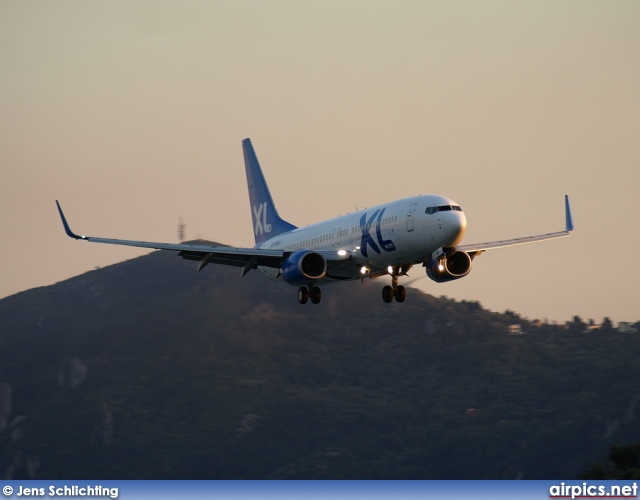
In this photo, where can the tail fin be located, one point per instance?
(266, 221)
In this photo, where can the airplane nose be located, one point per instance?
(455, 224)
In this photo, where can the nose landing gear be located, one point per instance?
(395, 290)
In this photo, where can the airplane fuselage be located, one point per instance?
(394, 234)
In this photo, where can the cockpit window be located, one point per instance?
(442, 208)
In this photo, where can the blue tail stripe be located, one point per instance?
(266, 221)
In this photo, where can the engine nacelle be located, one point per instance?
(303, 266)
(454, 266)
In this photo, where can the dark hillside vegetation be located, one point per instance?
(147, 369)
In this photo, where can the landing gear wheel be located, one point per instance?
(303, 295)
(400, 294)
(387, 294)
(316, 295)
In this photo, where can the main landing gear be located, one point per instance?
(395, 290)
(313, 292)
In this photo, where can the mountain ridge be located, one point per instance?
(147, 369)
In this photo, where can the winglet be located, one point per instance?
(67, 229)
(568, 216)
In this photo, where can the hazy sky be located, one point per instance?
(132, 115)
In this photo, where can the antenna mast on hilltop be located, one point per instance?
(181, 227)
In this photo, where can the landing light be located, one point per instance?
(342, 252)
(390, 269)
(363, 270)
(440, 267)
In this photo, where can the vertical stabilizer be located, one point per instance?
(266, 221)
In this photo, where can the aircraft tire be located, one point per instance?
(316, 295)
(401, 294)
(387, 294)
(303, 295)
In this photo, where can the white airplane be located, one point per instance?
(386, 240)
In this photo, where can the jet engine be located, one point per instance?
(452, 266)
(303, 266)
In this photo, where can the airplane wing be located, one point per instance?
(248, 258)
(478, 248)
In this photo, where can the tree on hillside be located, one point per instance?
(607, 325)
(576, 326)
(623, 463)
